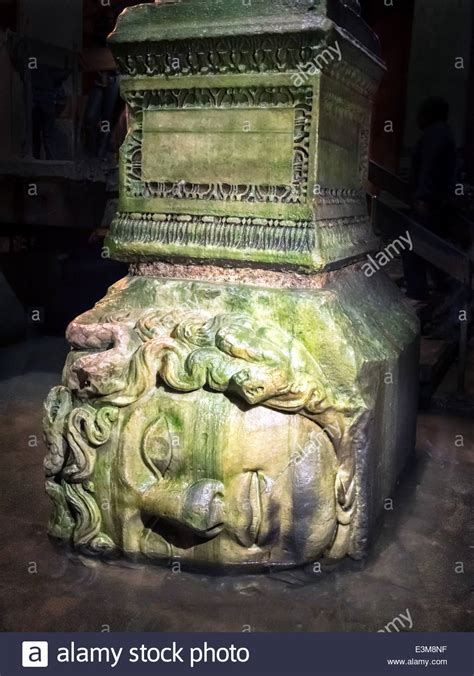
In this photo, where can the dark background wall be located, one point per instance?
(393, 25)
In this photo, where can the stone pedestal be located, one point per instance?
(247, 395)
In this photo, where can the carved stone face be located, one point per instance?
(212, 481)
(192, 436)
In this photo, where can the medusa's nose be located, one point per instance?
(203, 509)
(198, 506)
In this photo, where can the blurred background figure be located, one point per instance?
(49, 100)
(433, 177)
(100, 113)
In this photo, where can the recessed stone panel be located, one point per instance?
(238, 146)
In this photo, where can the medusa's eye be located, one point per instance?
(158, 446)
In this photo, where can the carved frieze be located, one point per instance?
(288, 53)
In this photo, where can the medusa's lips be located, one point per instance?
(251, 507)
